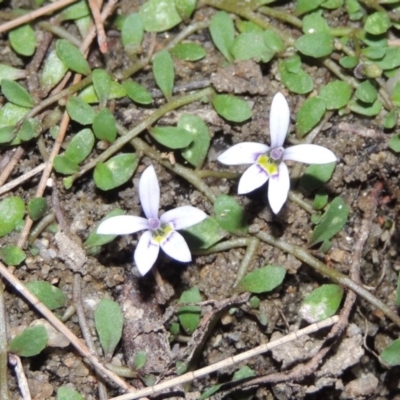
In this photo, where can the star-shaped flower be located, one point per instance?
(268, 162)
(159, 231)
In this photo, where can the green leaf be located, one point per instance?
(394, 143)
(273, 41)
(315, 23)
(8, 72)
(336, 94)
(30, 129)
(251, 46)
(80, 111)
(305, 6)
(52, 297)
(309, 115)
(115, 172)
(230, 215)
(321, 303)
(391, 119)
(6, 134)
(171, 137)
(331, 222)
(137, 92)
(30, 342)
(53, 71)
(23, 40)
(197, 151)
(37, 208)
(88, 95)
(159, 15)
(189, 316)
(369, 110)
(104, 126)
(320, 201)
(71, 56)
(348, 62)
(332, 4)
(12, 255)
(222, 33)
(398, 292)
(366, 92)
(377, 23)
(109, 320)
(189, 51)
(185, 8)
(391, 59)
(374, 52)
(163, 70)
(395, 94)
(12, 210)
(243, 373)
(95, 239)
(80, 146)
(132, 33)
(297, 82)
(11, 114)
(65, 393)
(102, 85)
(63, 165)
(231, 108)
(262, 279)
(17, 94)
(391, 354)
(316, 45)
(140, 360)
(354, 10)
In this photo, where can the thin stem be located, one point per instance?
(247, 259)
(223, 246)
(296, 198)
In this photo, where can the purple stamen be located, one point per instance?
(276, 153)
(154, 223)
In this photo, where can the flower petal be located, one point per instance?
(146, 253)
(122, 225)
(183, 217)
(252, 179)
(309, 153)
(279, 118)
(149, 192)
(176, 247)
(278, 188)
(243, 153)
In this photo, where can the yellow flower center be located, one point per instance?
(161, 234)
(267, 164)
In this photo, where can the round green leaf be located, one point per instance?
(140, 360)
(336, 94)
(185, 8)
(273, 41)
(189, 51)
(53, 71)
(80, 111)
(17, 94)
(297, 82)
(163, 70)
(30, 342)
(71, 56)
(391, 59)
(11, 114)
(310, 113)
(12, 255)
(104, 126)
(102, 85)
(319, 44)
(394, 143)
(189, 316)
(348, 62)
(37, 208)
(132, 33)
(159, 15)
(115, 172)
(172, 137)
(6, 134)
(321, 303)
(316, 175)
(229, 214)
(66, 393)
(64, 165)
(262, 279)
(8, 72)
(137, 92)
(12, 210)
(366, 92)
(305, 6)
(222, 33)
(23, 40)
(78, 10)
(315, 23)
(30, 129)
(80, 146)
(52, 297)
(231, 108)
(251, 45)
(391, 354)
(377, 23)
(369, 110)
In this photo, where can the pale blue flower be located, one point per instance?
(159, 231)
(268, 162)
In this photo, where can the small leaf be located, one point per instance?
(53, 71)
(12, 255)
(23, 40)
(366, 92)
(137, 92)
(315, 23)
(159, 15)
(185, 8)
(104, 126)
(222, 33)
(11, 73)
(65, 393)
(273, 41)
(163, 70)
(297, 82)
(189, 316)
(391, 354)
(63, 165)
(17, 94)
(80, 146)
(243, 373)
(309, 115)
(11, 114)
(102, 85)
(132, 33)
(140, 360)
(320, 200)
(231, 108)
(12, 210)
(230, 215)
(369, 110)
(391, 59)
(390, 119)
(80, 111)
(30, 342)
(52, 297)
(394, 143)
(109, 321)
(377, 23)
(172, 137)
(321, 303)
(71, 56)
(305, 6)
(30, 129)
(331, 222)
(262, 279)
(7, 134)
(115, 172)
(251, 46)
(37, 208)
(336, 94)
(189, 51)
(348, 62)
(88, 95)
(204, 234)
(319, 44)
